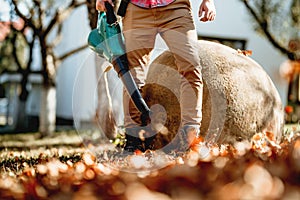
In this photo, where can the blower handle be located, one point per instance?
(111, 18)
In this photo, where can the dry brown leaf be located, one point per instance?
(244, 52)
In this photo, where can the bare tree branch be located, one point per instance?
(57, 38)
(60, 16)
(92, 13)
(25, 72)
(64, 56)
(28, 21)
(39, 7)
(264, 25)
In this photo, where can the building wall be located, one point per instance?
(78, 71)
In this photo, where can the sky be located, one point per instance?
(4, 10)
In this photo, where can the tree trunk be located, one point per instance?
(47, 110)
(22, 122)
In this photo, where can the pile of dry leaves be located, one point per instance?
(259, 169)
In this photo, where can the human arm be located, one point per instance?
(207, 11)
(100, 4)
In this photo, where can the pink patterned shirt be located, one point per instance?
(151, 3)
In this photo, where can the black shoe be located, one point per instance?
(133, 142)
(149, 143)
(139, 138)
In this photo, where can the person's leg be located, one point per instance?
(139, 34)
(178, 31)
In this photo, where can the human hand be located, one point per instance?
(100, 5)
(207, 11)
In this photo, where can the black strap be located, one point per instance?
(111, 17)
(123, 7)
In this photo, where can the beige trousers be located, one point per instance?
(175, 25)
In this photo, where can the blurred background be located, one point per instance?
(51, 80)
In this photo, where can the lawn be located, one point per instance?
(64, 166)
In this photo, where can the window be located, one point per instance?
(235, 43)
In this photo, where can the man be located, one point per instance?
(173, 20)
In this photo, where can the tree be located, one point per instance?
(7, 49)
(279, 22)
(13, 58)
(43, 21)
